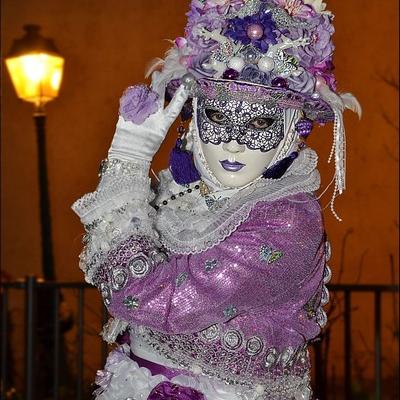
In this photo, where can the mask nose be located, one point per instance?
(234, 147)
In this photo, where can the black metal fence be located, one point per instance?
(32, 289)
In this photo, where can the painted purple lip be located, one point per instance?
(232, 166)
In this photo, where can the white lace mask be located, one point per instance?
(236, 161)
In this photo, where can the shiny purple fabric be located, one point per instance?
(155, 369)
(236, 284)
(170, 391)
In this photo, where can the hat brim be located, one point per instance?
(314, 107)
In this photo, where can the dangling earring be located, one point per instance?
(181, 162)
(304, 127)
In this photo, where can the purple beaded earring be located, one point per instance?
(304, 127)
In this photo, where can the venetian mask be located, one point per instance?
(239, 139)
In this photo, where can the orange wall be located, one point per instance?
(107, 45)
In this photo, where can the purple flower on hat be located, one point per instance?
(320, 48)
(252, 74)
(296, 8)
(223, 5)
(325, 69)
(198, 18)
(258, 30)
(303, 83)
(138, 103)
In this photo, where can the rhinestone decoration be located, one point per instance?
(268, 255)
(325, 296)
(130, 302)
(119, 277)
(254, 346)
(251, 54)
(209, 265)
(232, 340)
(230, 90)
(283, 20)
(118, 167)
(106, 294)
(286, 356)
(181, 278)
(139, 265)
(230, 311)
(284, 64)
(249, 8)
(328, 251)
(157, 257)
(214, 204)
(217, 359)
(271, 357)
(236, 126)
(211, 333)
(327, 274)
(322, 318)
(224, 53)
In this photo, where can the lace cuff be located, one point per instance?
(121, 183)
(118, 208)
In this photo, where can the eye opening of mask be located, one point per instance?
(261, 123)
(216, 116)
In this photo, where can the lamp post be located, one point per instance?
(36, 69)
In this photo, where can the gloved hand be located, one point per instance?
(141, 140)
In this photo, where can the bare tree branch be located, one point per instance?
(388, 120)
(390, 154)
(389, 80)
(342, 253)
(360, 266)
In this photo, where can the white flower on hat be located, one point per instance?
(319, 6)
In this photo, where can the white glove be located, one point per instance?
(141, 142)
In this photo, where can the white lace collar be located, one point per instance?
(188, 226)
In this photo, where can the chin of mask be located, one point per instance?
(238, 139)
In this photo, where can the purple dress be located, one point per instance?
(238, 314)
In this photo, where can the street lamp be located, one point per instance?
(36, 70)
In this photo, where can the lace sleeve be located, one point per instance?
(118, 208)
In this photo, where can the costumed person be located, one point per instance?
(215, 280)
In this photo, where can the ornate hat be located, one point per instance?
(277, 51)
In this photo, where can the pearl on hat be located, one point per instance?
(251, 56)
(320, 82)
(188, 81)
(266, 64)
(184, 61)
(255, 31)
(230, 73)
(280, 83)
(236, 63)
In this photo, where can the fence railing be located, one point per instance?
(32, 292)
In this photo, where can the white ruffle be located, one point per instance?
(123, 379)
(128, 380)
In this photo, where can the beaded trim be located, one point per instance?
(228, 355)
(314, 107)
(118, 167)
(177, 195)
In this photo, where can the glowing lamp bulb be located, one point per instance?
(35, 67)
